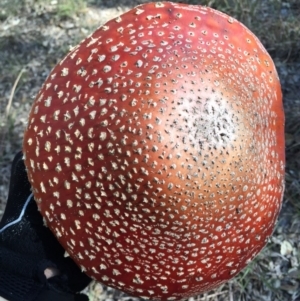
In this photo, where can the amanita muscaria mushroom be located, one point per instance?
(155, 150)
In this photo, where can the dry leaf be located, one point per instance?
(286, 248)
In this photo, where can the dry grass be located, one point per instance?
(34, 36)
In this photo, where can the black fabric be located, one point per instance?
(13, 287)
(27, 248)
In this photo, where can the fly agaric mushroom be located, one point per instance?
(155, 150)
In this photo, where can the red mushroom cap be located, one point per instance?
(155, 150)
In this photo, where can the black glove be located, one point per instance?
(27, 248)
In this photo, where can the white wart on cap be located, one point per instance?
(155, 150)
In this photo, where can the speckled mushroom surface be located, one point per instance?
(155, 150)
